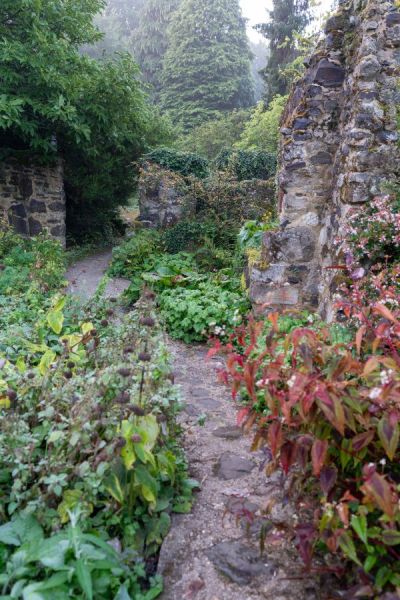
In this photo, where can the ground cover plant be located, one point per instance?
(90, 465)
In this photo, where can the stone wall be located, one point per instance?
(32, 198)
(166, 198)
(339, 145)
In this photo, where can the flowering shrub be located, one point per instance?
(331, 411)
(373, 233)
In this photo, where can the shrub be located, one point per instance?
(247, 164)
(262, 130)
(329, 410)
(132, 256)
(193, 315)
(184, 163)
(209, 138)
(373, 233)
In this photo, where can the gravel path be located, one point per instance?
(214, 552)
(85, 275)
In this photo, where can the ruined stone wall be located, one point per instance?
(167, 198)
(32, 198)
(339, 146)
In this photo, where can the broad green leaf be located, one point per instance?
(55, 319)
(348, 548)
(87, 328)
(360, 526)
(148, 485)
(85, 578)
(46, 361)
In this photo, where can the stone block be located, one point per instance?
(37, 206)
(329, 74)
(35, 226)
(294, 245)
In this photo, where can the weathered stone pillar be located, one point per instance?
(33, 199)
(339, 145)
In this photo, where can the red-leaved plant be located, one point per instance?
(332, 410)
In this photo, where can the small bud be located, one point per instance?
(147, 321)
(120, 443)
(145, 357)
(123, 398)
(137, 410)
(136, 438)
(124, 372)
(11, 395)
(129, 349)
(70, 365)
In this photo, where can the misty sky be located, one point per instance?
(255, 11)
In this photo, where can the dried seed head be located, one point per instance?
(123, 398)
(68, 374)
(31, 375)
(104, 322)
(93, 332)
(147, 321)
(136, 438)
(113, 299)
(149, 295)
(70, 364)
(109, 312)
(161, 418)
(11, 395)
(124, 372)
(137, 410)
(145, 357)
(120, 443)
(171, 377)
(129, 349)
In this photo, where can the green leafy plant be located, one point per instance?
(184, 163)
(247, 164)
(194, 315)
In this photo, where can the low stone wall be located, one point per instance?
(33, 198)
(166, 198)
(339, 145)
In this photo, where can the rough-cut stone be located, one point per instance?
(240, 563)
(232, 466)
(329, 74)
(32, 198)
(228, 433)
(346, 104)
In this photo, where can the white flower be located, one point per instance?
(375, 393)
(291, 381)
(382, 462)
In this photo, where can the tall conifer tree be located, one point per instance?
(207, 64)
(151, 40)
(287, 18)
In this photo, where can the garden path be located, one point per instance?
(213, 553)
(85, 275)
